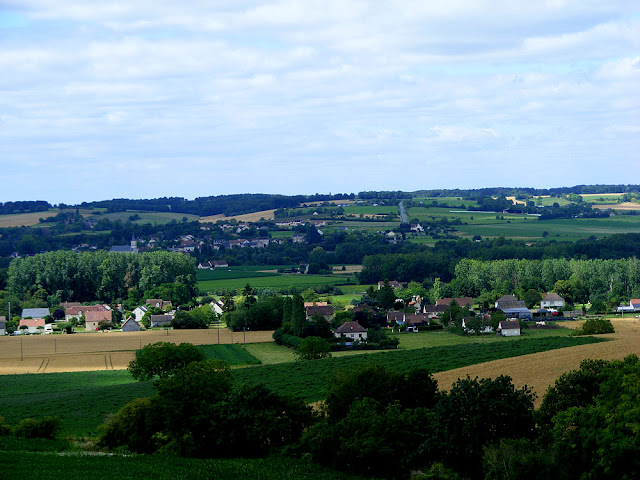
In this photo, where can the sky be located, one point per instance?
(153, 98)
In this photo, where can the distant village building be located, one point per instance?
(130, 325)
(509, 328)
(552, 300)
(351, 330)
(131, 248)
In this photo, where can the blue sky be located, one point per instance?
(143, 99)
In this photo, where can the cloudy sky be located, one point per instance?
(150, 98)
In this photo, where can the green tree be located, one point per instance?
(162, 359)
(386, 297)
(313, 348)
(298, 315)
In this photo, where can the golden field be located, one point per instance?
(540, 370)
(100, 351)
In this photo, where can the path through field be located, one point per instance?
(540, 370)
(100, 351)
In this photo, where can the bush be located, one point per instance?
(162, 359)
(595, 326)
(45, 427)
(313, 348)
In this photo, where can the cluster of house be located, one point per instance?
(33, 319)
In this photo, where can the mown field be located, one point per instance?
(271, 280)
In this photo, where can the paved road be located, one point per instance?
(403, 215)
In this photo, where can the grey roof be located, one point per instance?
(511, 304)
(552, 297)
(123, 249)
(35, 312)
(509, 325)
(159, 320)
(351, 327)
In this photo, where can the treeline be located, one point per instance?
(441, 260)
(69, 276)
(576, 280)
(475, 194)
(8, 208)
(215, 205)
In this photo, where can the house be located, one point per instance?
(159, 303)
(3, 325)
(408, 319)
(635, 303)
(325, 311)
(35, 312)
(512, 307)
(92, 319)
(461, 301)
(434, 311)
(351, 330)
(205, 266)
(216, 307)
(78, 311)
(130, 325)
(32, 324)
(416, 227)
(552, 300)
(509, 328)
(139, 312)
(220, 264)
(161, 320)
(132, 248)
(317, 304)
(397, 317)
(298, 239)
(392, 284)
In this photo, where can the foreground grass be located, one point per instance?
(82, 400)
(28, 460)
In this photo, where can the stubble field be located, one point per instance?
(101, 351)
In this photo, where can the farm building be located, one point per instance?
(161, 320)
(93, 318)
(325, 311)
(552, 300)
(512, 307)
(130, 325)
(352, 330)
(509, 328)
(35, 312)
(32, 324)
(77, 311)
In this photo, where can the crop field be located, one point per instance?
(370, 210)
(29, 460)
(101, 351)
(25, 219)
(451, 201)
(624, 206)
(542, 369)
(547, 201)
(147, 217)
(233, 273)
(230, 354)
(246, 217)
(277, 281)
(83, 399)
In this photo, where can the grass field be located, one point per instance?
(278, 281)
(231, 354)
(451, 201)
(147, 217)
(28, 460)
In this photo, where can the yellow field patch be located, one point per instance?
(620, 206)
(540, 370)
(247, 217)
(101, 351)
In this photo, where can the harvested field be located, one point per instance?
(540, 370)
(349, 269)
(619, 206)
(247, 217)
(25, 219)
(100, 351)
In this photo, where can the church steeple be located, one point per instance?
(134, 243)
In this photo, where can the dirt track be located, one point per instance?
(100, 351)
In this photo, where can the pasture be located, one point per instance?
(275, 281)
